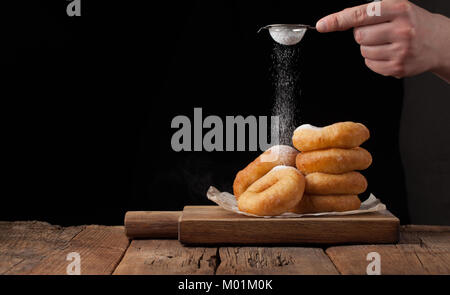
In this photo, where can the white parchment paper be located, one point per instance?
(228, 202)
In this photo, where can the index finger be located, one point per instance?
(357, 16)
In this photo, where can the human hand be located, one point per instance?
(403, 40)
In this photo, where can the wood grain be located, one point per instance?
(152, 224)
(426, 235)
(167, 257)
(24, 244)
(274, 260)
(402, 259)
(214, 225)
(41, 248)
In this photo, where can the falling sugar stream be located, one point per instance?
(285, 76)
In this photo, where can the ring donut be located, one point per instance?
(275, 193)
(334, 160)
(329, 203)
(339, 135)
(350, 183)
(275, 156)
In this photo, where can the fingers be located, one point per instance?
(374, 35)
(386, 68)
(379, 52)
(388, 59)
(358, 16)
(389, 38)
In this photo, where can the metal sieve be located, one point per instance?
(287, 34)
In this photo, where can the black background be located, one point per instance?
(88, 101)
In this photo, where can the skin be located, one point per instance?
(405, 40)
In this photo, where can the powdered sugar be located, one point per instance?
(287, 35)
(285, 75)
(281, 153)
(281, 167)
(307, 126)
(282, 149)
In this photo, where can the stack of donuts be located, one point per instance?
(318, 176)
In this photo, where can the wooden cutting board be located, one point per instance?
(214, 226)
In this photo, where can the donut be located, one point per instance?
(334, 160)
(350, 183)
(339, 135)
(326, 203)
(274, 193)
(274, 156)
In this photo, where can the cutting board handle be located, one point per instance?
(152, 224)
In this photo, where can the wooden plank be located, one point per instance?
(24, 244)
(426, 235)
(41, 248)
(425, 228)
(402, 259)
(432, 240)
(166, 257)
(214, 225)
(100, 248)
(152, 224)
(274, 260)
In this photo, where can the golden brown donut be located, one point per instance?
(350, 183)
(275, 156)
(274, 193)
(339, 135)
(334, 160)
(333, 203)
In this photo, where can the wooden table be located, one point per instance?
(40, 248)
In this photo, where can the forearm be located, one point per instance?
(442, 67)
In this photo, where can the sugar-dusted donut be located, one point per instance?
(326, 203)
(275, 156)
(334, 160)
(274, 193)
(350, 183)
(339, 135)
